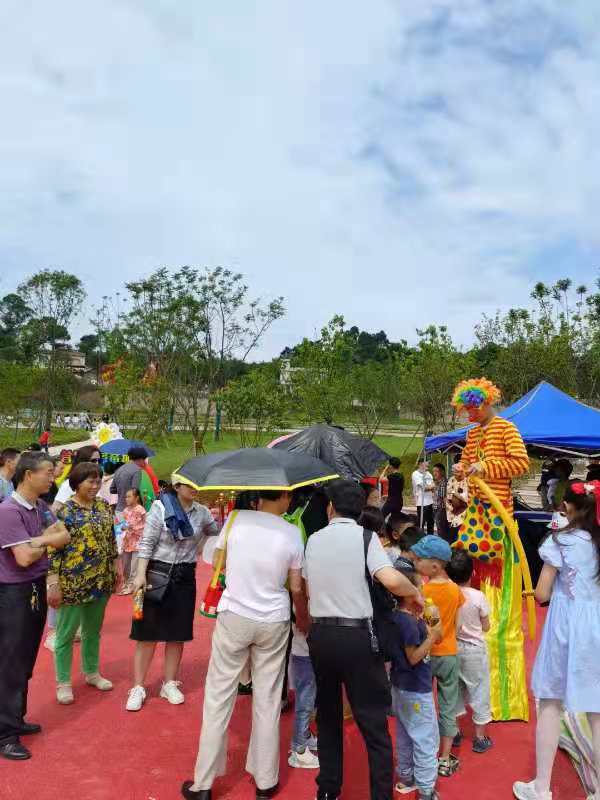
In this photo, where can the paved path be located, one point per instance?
(56, 450)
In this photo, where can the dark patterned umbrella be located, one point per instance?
(349, 455)
(253, 468)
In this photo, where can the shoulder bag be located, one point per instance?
(383, 606)
(158, 580)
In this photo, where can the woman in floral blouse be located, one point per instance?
(81, 580)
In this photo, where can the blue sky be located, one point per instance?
(400, 163)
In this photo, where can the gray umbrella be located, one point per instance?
(349, 455)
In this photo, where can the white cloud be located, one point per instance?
(399, 163)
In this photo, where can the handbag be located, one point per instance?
(216, 587)
(157, 583)
(383, 632)
(158, 580)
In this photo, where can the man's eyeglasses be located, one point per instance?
(95, 460)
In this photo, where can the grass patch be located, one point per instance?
(24, 437)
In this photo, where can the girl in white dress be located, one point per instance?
(566, 673)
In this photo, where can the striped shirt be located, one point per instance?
(439, 494)
(500, 449)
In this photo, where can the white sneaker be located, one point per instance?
(527, 791)
(50, 640)
(64, 694)
(136, 698)
(98, 682)
(171, 692)
(305, 760)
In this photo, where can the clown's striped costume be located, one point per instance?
(499, 447)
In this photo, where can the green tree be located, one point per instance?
(54, 298)
(375, 395)
(428, 376)
(255, 405)
(556, 340)
(18, 383)
(319, 375)
(137, 399)
(89, 345)
(14, 315)
(190, 326)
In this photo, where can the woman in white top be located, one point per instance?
(89, 453)
(174, 535)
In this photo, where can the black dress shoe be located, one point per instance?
(245, 688)
(189, 794)
(29, 728)
(265, 794)
(14, 751)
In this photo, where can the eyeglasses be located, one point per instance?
(95, 460)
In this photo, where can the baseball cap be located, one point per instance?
(432, 547)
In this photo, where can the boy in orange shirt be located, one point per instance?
(432, 555)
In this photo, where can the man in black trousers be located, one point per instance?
(341, 640)
(27, 528)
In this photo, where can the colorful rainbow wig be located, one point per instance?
(474, 393)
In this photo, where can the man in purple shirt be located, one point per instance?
(27, 528)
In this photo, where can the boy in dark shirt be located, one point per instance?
(417, 735)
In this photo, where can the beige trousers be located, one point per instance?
(236, 639)
(246, 675)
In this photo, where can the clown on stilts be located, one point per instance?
(494, 454)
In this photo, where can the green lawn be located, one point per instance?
(22, 438)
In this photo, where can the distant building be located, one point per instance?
(73, 360)
(286, 373)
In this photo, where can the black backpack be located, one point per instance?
(384, 606)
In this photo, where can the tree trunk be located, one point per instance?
(199, 442)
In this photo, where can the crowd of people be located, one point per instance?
(373, 608)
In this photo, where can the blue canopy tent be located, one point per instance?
(547, 419)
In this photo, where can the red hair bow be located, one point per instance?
(591, 487)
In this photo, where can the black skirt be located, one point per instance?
(172, 620)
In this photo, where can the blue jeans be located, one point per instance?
(306, 693)
(417, 739)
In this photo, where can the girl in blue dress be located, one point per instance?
(566, 673)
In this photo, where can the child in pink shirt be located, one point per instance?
(134, 515)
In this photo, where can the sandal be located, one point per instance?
(448, 766)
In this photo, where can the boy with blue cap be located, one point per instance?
(432, 555)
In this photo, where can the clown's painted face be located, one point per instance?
(478, 414)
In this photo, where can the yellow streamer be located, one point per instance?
(513, 531)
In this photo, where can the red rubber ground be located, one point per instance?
(94, 750)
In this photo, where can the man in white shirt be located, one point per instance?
(423, 486)
(342, 643)
(263, 554)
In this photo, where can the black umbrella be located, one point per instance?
(349, 455)
(253, 468)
